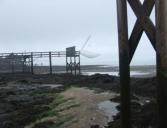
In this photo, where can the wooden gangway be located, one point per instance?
(36, 54)
(22, 59)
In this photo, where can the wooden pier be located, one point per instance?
(157, 35)
(26, 59)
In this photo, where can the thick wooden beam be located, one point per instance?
(138, 28)
(161, 45)
(124, 63)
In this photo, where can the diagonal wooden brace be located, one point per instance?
(143, 23)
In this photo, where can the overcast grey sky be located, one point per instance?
(50, 25)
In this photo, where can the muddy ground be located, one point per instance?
(23, 99)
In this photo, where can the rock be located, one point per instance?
(95, 126)
(5, 107)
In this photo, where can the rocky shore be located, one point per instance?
(23, 97)
(21, 103)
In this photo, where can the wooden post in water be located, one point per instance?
(161, 46)
(23, 66)
(66, 64)
(79, 64)
(12, 61)
(50, 62)
(32, 63)
(124, 63)
(71, 66)
(75, 65)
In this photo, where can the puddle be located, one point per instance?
(52, 85)
(104, 93)
(109, 108)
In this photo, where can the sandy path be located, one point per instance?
(88, 113)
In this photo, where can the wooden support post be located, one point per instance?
(124, 58)
(50, 62)
(32, 64)
(161, 46)
(75, 65)
(23, 67)
(12, 62)
(79, 64)
(71, 66)
(66, 64)
(23, 61)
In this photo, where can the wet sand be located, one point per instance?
(88, 113)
